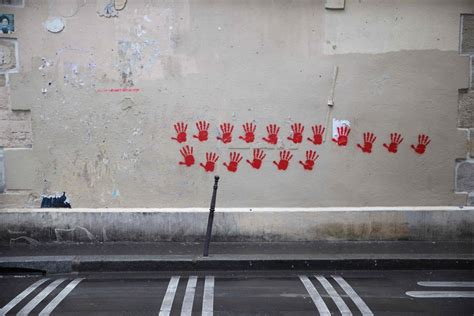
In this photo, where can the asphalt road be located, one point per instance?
(442, 292)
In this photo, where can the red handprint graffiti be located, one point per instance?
(258, 156)
(423, 141)
(395, 140)
(187, 153)
(285, 157)
(180, 129)
(249, 130)
(226, 129)
(272, 131)
(318, 131)
(311, 157)
(202, 127)
(297, 129)
(369, 139)
(342, 135)
(235, 158)
(211, 159)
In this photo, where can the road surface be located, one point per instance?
(442, 292)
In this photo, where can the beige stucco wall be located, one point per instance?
(238, 61)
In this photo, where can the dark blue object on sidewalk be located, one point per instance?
(55, 201)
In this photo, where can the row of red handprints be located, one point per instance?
(235, 158)
(296, 136)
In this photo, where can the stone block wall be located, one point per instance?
(464, 169)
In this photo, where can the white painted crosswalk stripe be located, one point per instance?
(169, 296)
(343, 308)
(188, 300)
(208, 297)
(40, 297)
(441, 294)
(446, 284)
(317, 299)
(21, 296)
(60, 297)
(364, 309)
(187, 307)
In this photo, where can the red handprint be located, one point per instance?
(272, 130)
(285, 157)
(211, 159)
(369, 139)
(395, 140)
(343, 135)
(226, 129)
(311, 157)
(318, 131)
(235, 158)
(202, 127)
(297, 129)
(258, 156)
(423, 141)
(180, 129)
(187, 153)
(249, 130)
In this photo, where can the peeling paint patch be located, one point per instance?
(338, 123)
(136, 59)
(8, 55)
(45, 64)
(127, 104)
(54, 25)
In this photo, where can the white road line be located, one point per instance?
(187, 307)
(208, 297)
(341, 305)
(40, 297)
(446, 284)
(317, 299)
(169, 296)
(364, 309)
(60, 297)
(440, 294)
(21, 296)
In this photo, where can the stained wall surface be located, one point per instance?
(103, 94)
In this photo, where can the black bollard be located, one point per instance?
(211, 218)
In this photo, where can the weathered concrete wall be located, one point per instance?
(113, 225)
(104, 94)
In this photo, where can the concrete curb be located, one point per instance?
(67, 264)
(266, 224)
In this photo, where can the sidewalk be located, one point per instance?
(159, 256)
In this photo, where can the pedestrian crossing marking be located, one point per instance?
(208, 297)
(343, 308)
(40, 297)
(60, 297)
(364, 309)
(187, 308)
(21, 296)
(188, 300)
(334, 295)
(169, 296)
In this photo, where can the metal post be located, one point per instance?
(211, 218)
